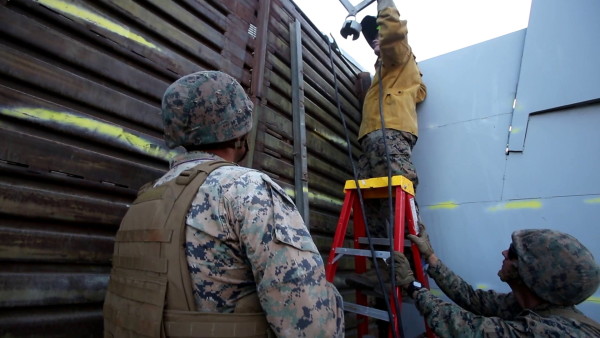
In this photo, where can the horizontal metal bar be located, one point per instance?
(379, 241)
(361, 252)
(366, 311)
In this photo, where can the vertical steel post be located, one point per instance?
(299, 125)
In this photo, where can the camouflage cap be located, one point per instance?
(556, 266)
(205, 107)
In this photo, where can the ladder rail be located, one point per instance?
(404, 213)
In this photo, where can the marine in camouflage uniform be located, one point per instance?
(552, 268)
(400, 79)
(244, 235)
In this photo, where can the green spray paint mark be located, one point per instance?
(96, 19)
(592, 201)
(443, 205)
(529, 204)
(90, 126)
(593, 300)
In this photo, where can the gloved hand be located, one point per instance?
(404, 274)
(422, 242)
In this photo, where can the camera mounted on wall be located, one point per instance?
(351, 26)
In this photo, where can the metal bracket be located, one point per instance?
(350, 26)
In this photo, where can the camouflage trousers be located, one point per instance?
(374, 163)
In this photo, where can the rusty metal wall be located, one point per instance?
(80, 131)
(327, 155)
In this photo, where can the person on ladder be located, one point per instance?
(387, 143)
(396, 89)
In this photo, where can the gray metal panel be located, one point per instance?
(457, 151)
(460, 124)
(558, 160)
(560, 60)
(457, 96)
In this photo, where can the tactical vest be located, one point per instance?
(150, 289)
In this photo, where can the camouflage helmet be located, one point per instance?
(205, 107)
(556, 266)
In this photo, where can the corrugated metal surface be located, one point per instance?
(80, 90)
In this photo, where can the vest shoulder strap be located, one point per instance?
(180, 297)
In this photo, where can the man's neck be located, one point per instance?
(228, 154)
(526, 298)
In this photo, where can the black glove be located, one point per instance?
(404, 274)
(422, 242)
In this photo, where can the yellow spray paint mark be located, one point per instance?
(529, 204)
(593, 300)
(515, 130)
(91, 126)
(331, 137)
(592, 200)
(96, 19)
(483, 286)
(443, 205)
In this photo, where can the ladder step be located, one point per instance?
(366, 311)
(379, 241)
(359, 252)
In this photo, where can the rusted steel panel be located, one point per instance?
(24, 240)
(110, 37)
(35, 288)
(244, 10)
(55, 47)
(69, 160)
(16, 199)
(29, 114)
(80, 89)
(316, 105)
(200, 43)
(64, 321)
(57, 81)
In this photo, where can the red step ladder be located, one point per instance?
(404, 213)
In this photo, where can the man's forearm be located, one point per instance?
(432, 259)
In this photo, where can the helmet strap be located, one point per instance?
(512, 275)
(239, 145)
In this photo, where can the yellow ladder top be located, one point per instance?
(382, 182)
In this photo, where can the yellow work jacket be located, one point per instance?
(403, 87)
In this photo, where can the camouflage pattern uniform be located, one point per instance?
(373, 162)
(244, 234)
(480, 313)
